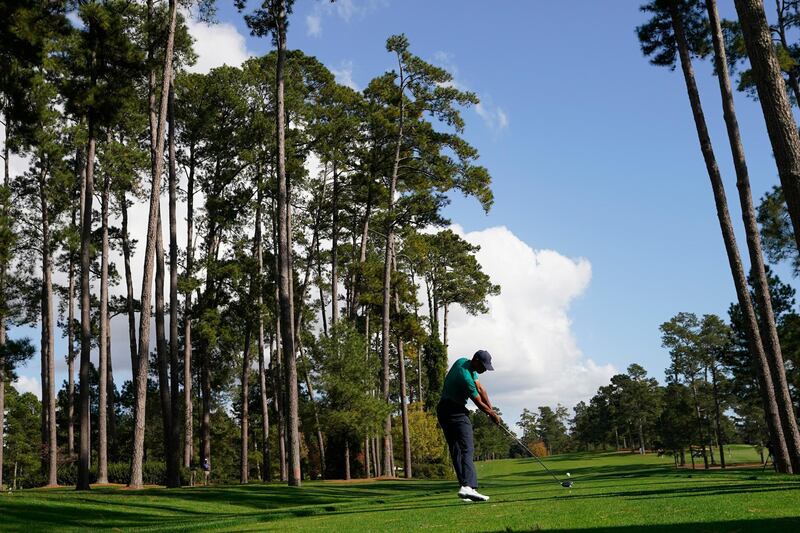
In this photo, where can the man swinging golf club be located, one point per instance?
(460, 384)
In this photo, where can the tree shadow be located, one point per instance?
(761, 525)
(200, 508)
(623, 471)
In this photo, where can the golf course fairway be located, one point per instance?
(612, 492)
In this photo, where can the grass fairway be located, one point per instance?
(612, 492)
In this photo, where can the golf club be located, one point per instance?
(567, 484)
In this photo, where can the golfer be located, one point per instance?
(460, 384)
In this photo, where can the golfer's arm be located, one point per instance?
(483, 394)
(483, 406)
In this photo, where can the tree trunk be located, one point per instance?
(391, 463)
(6, 179)
(262, 366)
(262, 371)
(385, 339)
(173, 451)
(102, 408)
(278, 399)
(776, 109)
(444, 329)
(769, 332)
(147, 278)
(207, 300)
(347, 459)
(420, 396)
(403, 402)
(387, 287)
(131, 308)
(740, 281)
(711, 446)
(244, 475)
(334, 251)
(404, 412)
(322, 310)
(641, 438)
(48, 336)
(376, 457)
(161, 352)
(357, 276)
(86, 325)
(70, 351)
(44, 336)
(205, 426)
(188, 420)
(299, 322)
(284, 253)
(318, 426)
(718, 419)
(110, 404)
(366, 458)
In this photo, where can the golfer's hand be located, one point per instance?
(495, 418)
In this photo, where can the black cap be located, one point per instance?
(484, 357)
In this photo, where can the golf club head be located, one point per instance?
(567, 484)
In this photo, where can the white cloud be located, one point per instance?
(527, 330)
(217, 45)
(28, 384)
(344, 74)
(17, 165)
(346, 10)
(314, 25)
(446, 61)
(493, 116)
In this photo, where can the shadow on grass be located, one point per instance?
(766, 524)
(198, 507)
(265, 497)
(51, 517)
(677, 492)
(628, 471)
(217, 507)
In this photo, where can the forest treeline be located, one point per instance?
(289, 336)
(301, 317)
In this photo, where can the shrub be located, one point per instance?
(539, 449)
(153, 473)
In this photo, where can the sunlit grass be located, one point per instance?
(613, 491)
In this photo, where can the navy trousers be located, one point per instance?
(454, 420)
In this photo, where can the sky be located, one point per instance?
(603, 225)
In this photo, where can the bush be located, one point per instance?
(436, 470)
(429, 456)
(67, 474)
(153, 473)
(539, 449)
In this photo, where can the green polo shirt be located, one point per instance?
(459, 384)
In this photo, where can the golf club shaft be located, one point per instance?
(510, 434)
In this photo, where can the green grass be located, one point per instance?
(612, 492)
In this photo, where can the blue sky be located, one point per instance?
(592, 150)
(599, 159)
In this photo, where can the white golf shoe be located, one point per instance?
(468, 493)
